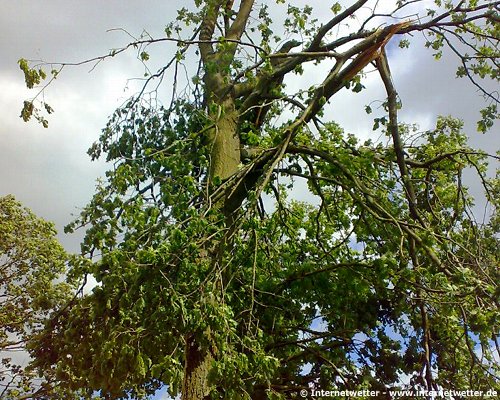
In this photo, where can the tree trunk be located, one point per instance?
(224, 150)
(224, 142)
(224, 146)
(196, 369)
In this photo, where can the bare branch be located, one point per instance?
(207, 29)
(316, 43)
(385, 73)
(367, 51)
(238, 26)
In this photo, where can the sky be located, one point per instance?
(49, 171)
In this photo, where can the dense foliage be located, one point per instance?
(31, 259)
(215, 281)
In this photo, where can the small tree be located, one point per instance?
(31, 260)
(217, 283)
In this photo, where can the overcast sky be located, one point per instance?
(48, 169)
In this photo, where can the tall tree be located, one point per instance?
(214, 281)
(31, 259)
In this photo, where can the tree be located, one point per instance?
(214, 281)
(31, 259)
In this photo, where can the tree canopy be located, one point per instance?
(214, 280)
(31, 259)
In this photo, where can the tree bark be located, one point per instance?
(224, 151)
(196, 369)
(224, 143)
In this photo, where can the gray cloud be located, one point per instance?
(48, 169)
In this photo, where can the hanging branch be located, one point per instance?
(385, 73)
